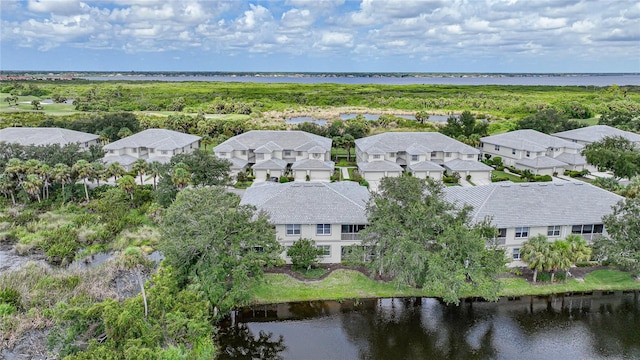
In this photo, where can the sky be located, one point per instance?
(473, 36)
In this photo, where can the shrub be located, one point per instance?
(284, 179)
(304, 254)
(544, 277)
(11, 297)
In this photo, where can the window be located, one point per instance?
(528, 153)
(134, 150)
(496, 148)
(414, 157)
(112, 152)
(244, 152)
(392, 155)
(163, 152)
(299, 153)
(522, 232)
(470, 156)
(323, 229)
(502, 232)
(287, 153)
(326, 250)
(447, 154)
(293, 229)
(352, 229)
(433, 154)
(152, 151)
(376, 157)
(259, 156)
(222, 154)
(587, 229)
(513, 151)
(553, 230)
(516, 254)
(317, 156)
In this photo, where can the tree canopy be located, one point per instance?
(217, 245)
(548, 121)
(615, 154)
(419, 239)
(465, 125)
(621, 246)
(205, 168)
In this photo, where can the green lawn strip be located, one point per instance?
(348, 284)
(502, 174)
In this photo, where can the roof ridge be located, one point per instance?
(477, 211)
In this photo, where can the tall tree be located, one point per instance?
(83, 170)
(140, 167)
(31, 185)
(127, 184)
(116, 170)
(180, 176)
(217, 245)
(615, 154)
(536, 252)
(205, 168)
(418, 238)
(7, 187)
(464, 126)
(61, 174)
(621, 246)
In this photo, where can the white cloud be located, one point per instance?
(61, 7)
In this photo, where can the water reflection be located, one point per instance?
(595, 326)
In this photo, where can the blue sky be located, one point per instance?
(321, 35)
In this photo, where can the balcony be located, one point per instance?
(349, 236)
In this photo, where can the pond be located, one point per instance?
(302, 119)
(599, 325)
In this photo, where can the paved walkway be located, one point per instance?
(345, 173)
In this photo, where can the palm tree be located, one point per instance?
(580, 250)
(7, 187)
(61, 174)
(536, 252)
(84, 170)
(128, 184)
(155, 169)
(140, 167)
(180, 176)
(15, 169)
(116, 170)
(560, 257)
(348, 142)
(44, 171)
(31, 185)
(98, 171)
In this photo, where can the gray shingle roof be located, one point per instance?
(541, 162)
(595, 133)
(310, 202)
(313, 164)
(271, 164)
(288, 140)
(529, 140)
(425, 166)
(536, 204)
(44, 136)
(379, 165)
(466, 165)
(159, 139)
(573, 159)
(401, 141)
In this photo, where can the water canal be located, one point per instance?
(599, 325)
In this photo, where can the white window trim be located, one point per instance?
(292, 231)
(323, 233)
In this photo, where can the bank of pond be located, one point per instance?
(578, 325)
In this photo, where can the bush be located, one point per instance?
(304, 254)
(544, 277)
(11, 297)
(284, 179)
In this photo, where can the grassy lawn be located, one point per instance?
(24, 105)
(348, 284)
(502, 174)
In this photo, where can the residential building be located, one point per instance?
(591, 134)
(532, 150)
(48, 136)
(331, 214)
(423, 154)
(523, 210)
(152, 145)
(273, 153)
